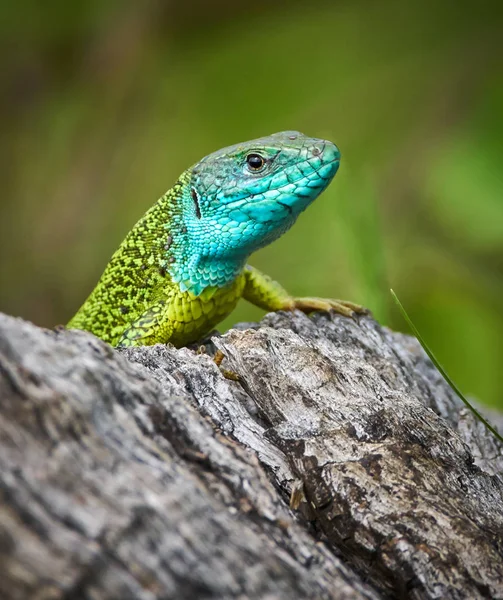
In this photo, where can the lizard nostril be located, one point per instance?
(316, 151)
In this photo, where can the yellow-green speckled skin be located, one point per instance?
(182, 268)
(136, 301)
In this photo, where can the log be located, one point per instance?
(339, 466)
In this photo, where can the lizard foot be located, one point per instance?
(217, 359)
(342, 307)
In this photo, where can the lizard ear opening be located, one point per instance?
(195, 198)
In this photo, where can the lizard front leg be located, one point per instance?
(180, 318)
(264, 292)
(151, 327)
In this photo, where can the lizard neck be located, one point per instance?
(200, 272)
(190, 248)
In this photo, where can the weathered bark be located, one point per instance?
(146, 474)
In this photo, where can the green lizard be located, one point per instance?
(182, 268)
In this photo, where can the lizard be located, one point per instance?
(183, 267)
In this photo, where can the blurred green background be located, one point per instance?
(105, 103)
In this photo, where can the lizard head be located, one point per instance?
(245, 196)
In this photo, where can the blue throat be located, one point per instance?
(201, 272)
(197, 257)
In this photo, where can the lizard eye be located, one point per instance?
(255, 162)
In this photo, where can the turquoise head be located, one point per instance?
(245, 196)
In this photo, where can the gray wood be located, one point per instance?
(144, 473)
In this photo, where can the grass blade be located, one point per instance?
(441, 370)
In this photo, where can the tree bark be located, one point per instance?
(339, 466)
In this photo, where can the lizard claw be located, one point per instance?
(342, 307)
(217, 359)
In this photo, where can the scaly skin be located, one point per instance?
(182, 268)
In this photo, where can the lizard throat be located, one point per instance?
(200, 272)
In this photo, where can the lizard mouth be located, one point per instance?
(300, 185)
(288, 208)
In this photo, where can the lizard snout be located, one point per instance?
(326, 150)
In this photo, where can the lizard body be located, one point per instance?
(182, 268)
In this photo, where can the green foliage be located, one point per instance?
(107, 103)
